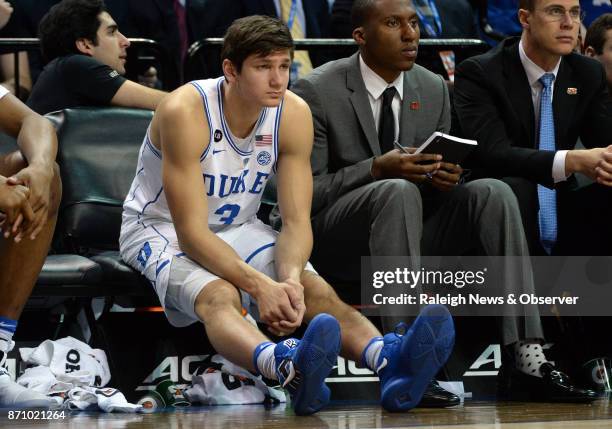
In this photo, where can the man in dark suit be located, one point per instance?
(174, 24)
(456, 19)
(527, 131)
(314, 13)
(527, 102)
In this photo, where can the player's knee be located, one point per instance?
(217, 296)
(316, 289)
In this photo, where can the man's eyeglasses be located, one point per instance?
(558, 13)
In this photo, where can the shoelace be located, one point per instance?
(400, 329)
(292, 375)
(293, 384)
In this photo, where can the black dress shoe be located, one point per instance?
(554, 386)
(437, 397)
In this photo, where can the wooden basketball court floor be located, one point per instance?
(479, 415)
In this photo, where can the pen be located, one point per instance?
(399, 146)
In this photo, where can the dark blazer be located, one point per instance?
(156, 19)
(316, 14)
(457, 17)
(345, 134)
(493, 105)
(458, 20)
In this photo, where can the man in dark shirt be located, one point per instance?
(87, 55)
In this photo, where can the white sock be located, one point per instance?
(372, 353)
(528, 357)
(266, 363)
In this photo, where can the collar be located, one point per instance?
(376, 85)
(534, 72)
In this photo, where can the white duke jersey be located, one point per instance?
(235, 173)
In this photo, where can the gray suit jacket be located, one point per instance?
(346, 140)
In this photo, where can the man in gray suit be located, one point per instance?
(390, 203)
(370, 198)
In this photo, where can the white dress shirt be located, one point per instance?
(534, 73)
(375, 86)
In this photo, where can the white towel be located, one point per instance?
(92, 398)
(224, 383)
(71, 373)
(69, 356)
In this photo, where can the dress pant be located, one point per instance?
(395, 217)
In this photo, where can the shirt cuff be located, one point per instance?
(558, 170)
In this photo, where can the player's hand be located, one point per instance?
(296, 297)
(447, 177)
(412, 167)
(38, 180)
(274, 302)
(15, 205)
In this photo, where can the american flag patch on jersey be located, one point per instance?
(263, 140)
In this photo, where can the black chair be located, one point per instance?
(98, 152)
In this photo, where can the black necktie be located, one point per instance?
(386, 126)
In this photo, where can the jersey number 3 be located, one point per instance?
(228, 213)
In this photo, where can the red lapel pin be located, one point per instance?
(415, 105)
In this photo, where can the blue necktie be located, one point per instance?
(547, 197)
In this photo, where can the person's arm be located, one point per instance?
(101, 84)
(37, 141)
(177, 125)
(132, 94)
(480, 119)
(294, 186)
(7, 67)
(596, 135)
(328, 186)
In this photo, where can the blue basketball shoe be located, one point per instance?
(302, 365)
(407, 363)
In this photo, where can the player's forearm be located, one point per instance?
(38, 141)
(292, 250)
(219, 258)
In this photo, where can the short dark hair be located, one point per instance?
(65, 23)
(527, 4)
(360, 11)
(596, 34)
(256, 34)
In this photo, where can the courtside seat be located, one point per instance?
(98, 153)
(68, 275)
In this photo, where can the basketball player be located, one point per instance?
(190, 226)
